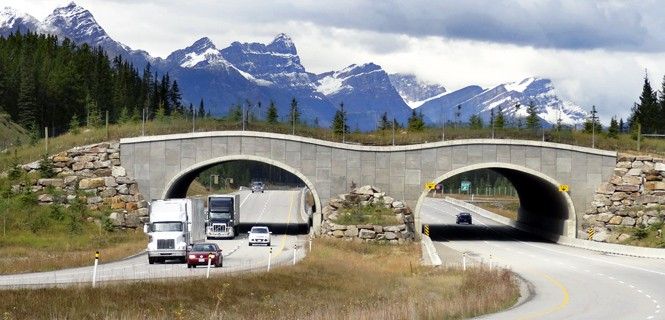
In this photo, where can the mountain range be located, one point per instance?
(249, 73)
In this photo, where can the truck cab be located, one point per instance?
(174, 225)
(223, 216)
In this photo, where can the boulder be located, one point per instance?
(70, 180)
(625, 157)
(131, 206)
(123, 189)
(391, 229)
(624, 164)
(659, 166)
(94, 200)
(110, 182)
(117, 171)
(365, 190)
(600, 235)
(616, 220)
(604, 217)
(631, 179)
(351, 231)
(366, 234)
(623, 237)
(654, 185)
(628, 188)
(398, 204)
(628, 221)
(45, 197)
(124, 180)
(378, 229)
(338, 233)
(90, 183)
(59, 183)
(102, 164)
(606, 188)
(634, 172)
(107, 193)
(390, 235)
(117, 218)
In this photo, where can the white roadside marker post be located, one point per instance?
(94, 269)
(269, 257)
(464, 261)
(310, 244)
(295, 249)
(210, 255)
(490, 262)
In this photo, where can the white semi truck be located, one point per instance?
(174, 225)
(223, 215)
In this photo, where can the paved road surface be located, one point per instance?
(271, 207)
(568, 283)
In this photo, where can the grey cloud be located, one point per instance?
(559, 24)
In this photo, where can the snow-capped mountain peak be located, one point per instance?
(519, 86)
(13, 21)
(201, 52)
(414, 91)
(282, 44)
(76, 22)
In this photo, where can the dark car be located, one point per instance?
(463, 217)
(258, 186)
(199, 252)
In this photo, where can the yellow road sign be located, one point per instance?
(426, 231)
(430, 186)
(590, 232)
(564, 188)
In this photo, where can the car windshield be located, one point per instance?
(204, 247)
(221, 205)
(259, 230)
(220, 215)
(257, 184)
(165, 226)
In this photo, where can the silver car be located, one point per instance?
(258, 186)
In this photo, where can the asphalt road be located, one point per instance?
(277, 208)
(567, 283)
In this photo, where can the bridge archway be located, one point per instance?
(178, 185)
(542, 205)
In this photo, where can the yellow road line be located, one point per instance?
(288, 219)
(560, 306)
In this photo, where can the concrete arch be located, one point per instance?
(513, 172)
(168, 189)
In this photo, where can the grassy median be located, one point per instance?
(338, 280)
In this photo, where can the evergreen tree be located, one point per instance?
(160, 114)
(475, 122)
(415, 121)
(492, 120)
(27, 102)
(202, 111)
(272, 117)
(646, 112)
(191, 110)
(339, 124)
(294, 113)
(622, 126)
(235, 113)
(500, 121)
(518, 119)
(94, 114)
(458, 114)
(613, 130)
(74, 125)
(532, 120)
(592, 125)
(175, 98)
(124, 116)
(46, 167)
(384, 123)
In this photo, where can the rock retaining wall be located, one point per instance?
(633, 197)
(401, 232)
(92, 174)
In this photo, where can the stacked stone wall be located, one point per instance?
(92, 174)
(633, 197)
(401, 232)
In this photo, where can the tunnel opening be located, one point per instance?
(516, 198)
(286, 202)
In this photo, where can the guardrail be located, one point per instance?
(563, 240)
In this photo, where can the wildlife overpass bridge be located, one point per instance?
(164, 166)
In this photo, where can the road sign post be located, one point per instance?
(94, 269)
(210, 255)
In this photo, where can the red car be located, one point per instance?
(198, 255)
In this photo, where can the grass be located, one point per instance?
(376, 214)
(644, 236)
(34, 237)
(26, 252)
(11, 133)
(338, 280)
(28, 153)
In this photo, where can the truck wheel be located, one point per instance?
(189, 266)
(194, 266)
(250, 244)
(151, 260)
(268, 244)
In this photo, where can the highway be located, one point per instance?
(278, 208)
(566, 282)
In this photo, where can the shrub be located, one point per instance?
(46, 167)
(640, 233)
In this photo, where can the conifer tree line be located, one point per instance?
(48, 82)
(649, 111)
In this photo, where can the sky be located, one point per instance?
(595, 52)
